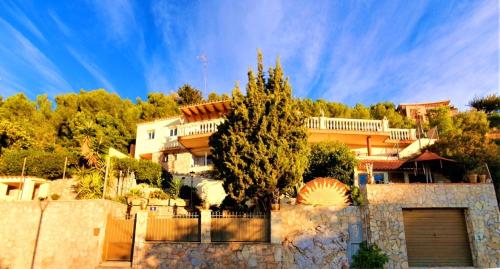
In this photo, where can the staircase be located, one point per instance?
(414, 148)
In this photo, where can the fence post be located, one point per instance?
(205, 223)
(275, 229)
(141, 223)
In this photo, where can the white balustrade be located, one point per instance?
(323, 123)
(202, 127)
(402, 134)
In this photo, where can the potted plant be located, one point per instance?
(275, 201)
(472, 177)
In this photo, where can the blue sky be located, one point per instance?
(347, 51)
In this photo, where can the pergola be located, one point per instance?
(205, 111)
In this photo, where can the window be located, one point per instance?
(164, 158)
(363, 178)
(151, 134)
(173, 132)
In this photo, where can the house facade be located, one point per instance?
(415, 111)
(180, 144)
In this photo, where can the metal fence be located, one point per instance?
(240, 227)
(169, 227)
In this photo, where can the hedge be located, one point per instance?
(48, 165)
(145, 171)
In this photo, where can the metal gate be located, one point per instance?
(119, 238)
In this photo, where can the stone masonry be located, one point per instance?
(71, 233)
(385, 217)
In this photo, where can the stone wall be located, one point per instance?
(71, 233)
(314, 236)
(385, 217)
(301, 237)
(210, 255)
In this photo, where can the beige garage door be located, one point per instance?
(436, 237)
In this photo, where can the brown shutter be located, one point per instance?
(436, 237)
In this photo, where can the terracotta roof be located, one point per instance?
(443, 102)
(381, 165)
(429, 156)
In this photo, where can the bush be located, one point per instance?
(331, 160)
(89, 185)
(158, 194)
(185, 193)
(48, 165)
(55, 196)
(145, 171)
(369, 256)
(174, 188)
(356, 196)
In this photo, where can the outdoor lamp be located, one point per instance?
(191, 190)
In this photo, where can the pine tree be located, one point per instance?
(261, 148)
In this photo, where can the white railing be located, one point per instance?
(402, 134)
(322, 123)
(169, 144)
(201, 127)
(342, 124)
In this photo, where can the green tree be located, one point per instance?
(441, 119)
(388, 110)
(488, 104)
(213, 96)
(331, 160)
(261, 148)
(360, 111)
(189, 95)
(158, 105)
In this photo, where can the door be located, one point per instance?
(119, 238)
(436, 237)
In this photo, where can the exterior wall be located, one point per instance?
(71, 233)
(183, 163)
(386, 228)
(211, 255)
(314, 236)
(301, 237)
(145, 145)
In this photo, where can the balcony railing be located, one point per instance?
(321, 123)
(341, 124)
(402, 134)
(202, 127)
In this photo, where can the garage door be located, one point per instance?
(436, 237)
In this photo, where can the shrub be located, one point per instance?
(145, 171)
(49, 165)
(356, 196)
(174, 188)
(369, 256)
(158, 194)
(135, 192)
(331, 160)
(185, 193)
(89, 185)
(55, 196)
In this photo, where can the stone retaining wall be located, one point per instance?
(210, 255)
(301, 237)
(385, 217)
(71, 233)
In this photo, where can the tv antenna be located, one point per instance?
(204, 60)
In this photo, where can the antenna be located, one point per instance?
(204, 60)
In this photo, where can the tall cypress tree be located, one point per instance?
(261, 148)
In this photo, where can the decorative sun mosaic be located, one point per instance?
(323, 191)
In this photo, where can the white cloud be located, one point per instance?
(61, 25)
(93, 70)
(118, 17)
(21, 17)
(19, 53)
